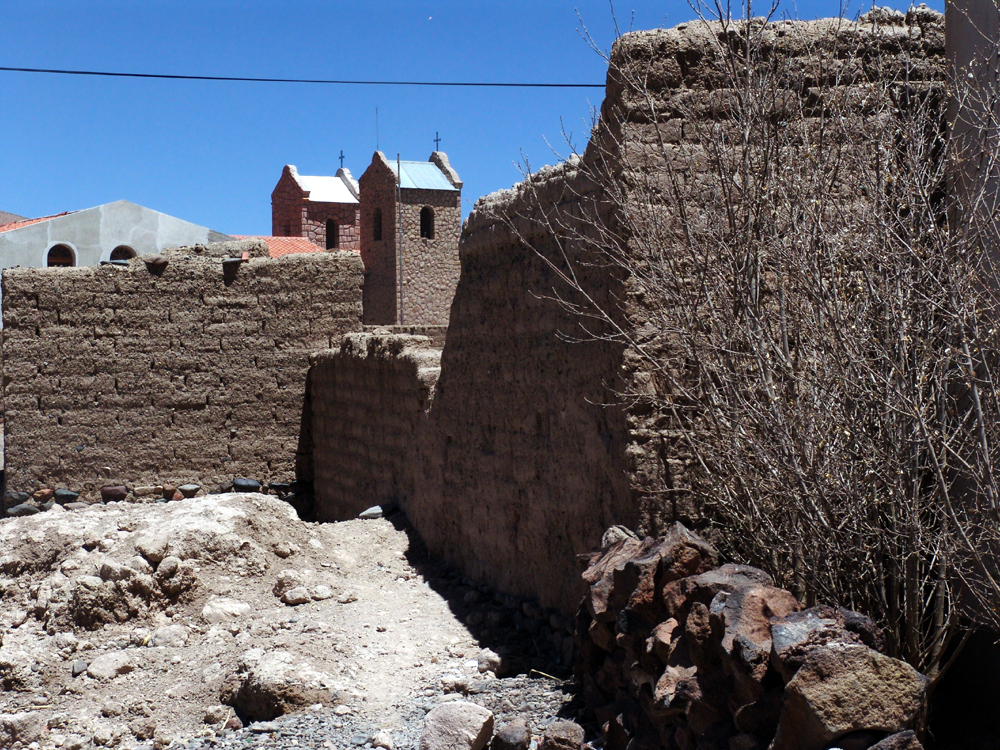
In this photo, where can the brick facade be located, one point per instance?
(430, 265)
(293, 214)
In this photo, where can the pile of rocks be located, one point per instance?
(17, 504)
(460, 725)
(678, 652)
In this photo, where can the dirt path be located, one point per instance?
(166, 610)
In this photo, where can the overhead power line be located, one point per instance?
(165, 76)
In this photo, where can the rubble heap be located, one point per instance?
(679, 652)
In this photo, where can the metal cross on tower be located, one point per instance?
(341, 158)
(437, 141)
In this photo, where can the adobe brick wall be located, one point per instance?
(521, 464)
(367, 400)
(520, 468)
(120, 374)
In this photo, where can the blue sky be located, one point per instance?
(212, 152)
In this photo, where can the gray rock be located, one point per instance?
(244, 484)
(287, 580)
(110, 665)
(263, 727)
(189, 490)
(844, 689)
(24, 727)
(489, 661)
(76, 506)
(796, 635)
(321, 592)
(457, 725)
(277, 683)
(297, 595)
(174, 636)
(24, 509)
(384, 740)
(219, 609)
(562, 735)
(79, 667)
(514, 735)
(114, 493)
(63, 496)
(900, 741)
(152, 546)
(373, 512)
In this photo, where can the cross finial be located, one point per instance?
(437, 141)
(341, 158)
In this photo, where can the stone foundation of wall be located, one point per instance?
(190, 372)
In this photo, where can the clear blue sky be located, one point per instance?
(212, 152)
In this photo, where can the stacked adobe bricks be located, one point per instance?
(181, 369)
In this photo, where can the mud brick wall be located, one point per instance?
(192, 374)
(521, 467)
(367, 400)
(521, 462)
(436, 334)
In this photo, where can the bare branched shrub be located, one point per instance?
(817, 311)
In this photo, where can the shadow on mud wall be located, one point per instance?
(528, 639)
(965, 710)
(302, 497)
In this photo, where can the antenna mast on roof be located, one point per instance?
(376, 128)
(399, 232)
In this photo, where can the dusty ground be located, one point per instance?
(167, 610)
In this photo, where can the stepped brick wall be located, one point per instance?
(192, 372)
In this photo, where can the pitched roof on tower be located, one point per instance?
(341, 188)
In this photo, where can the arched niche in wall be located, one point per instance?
(60, 256)
(122, 252)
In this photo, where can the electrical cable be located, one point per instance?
(169, 77)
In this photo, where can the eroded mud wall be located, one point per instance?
(189, 373)
(366, 401)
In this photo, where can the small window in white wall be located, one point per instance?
(122, 252)
(60, 256)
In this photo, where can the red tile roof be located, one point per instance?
(26, 222)
(278, 246)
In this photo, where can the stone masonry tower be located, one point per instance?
(322, 209)
(410, 277)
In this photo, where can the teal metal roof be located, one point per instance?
(422, 175)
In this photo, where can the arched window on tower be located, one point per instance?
(377, 224)
(122, 252)
(60, 256)
(332, 235)
(427, 222)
